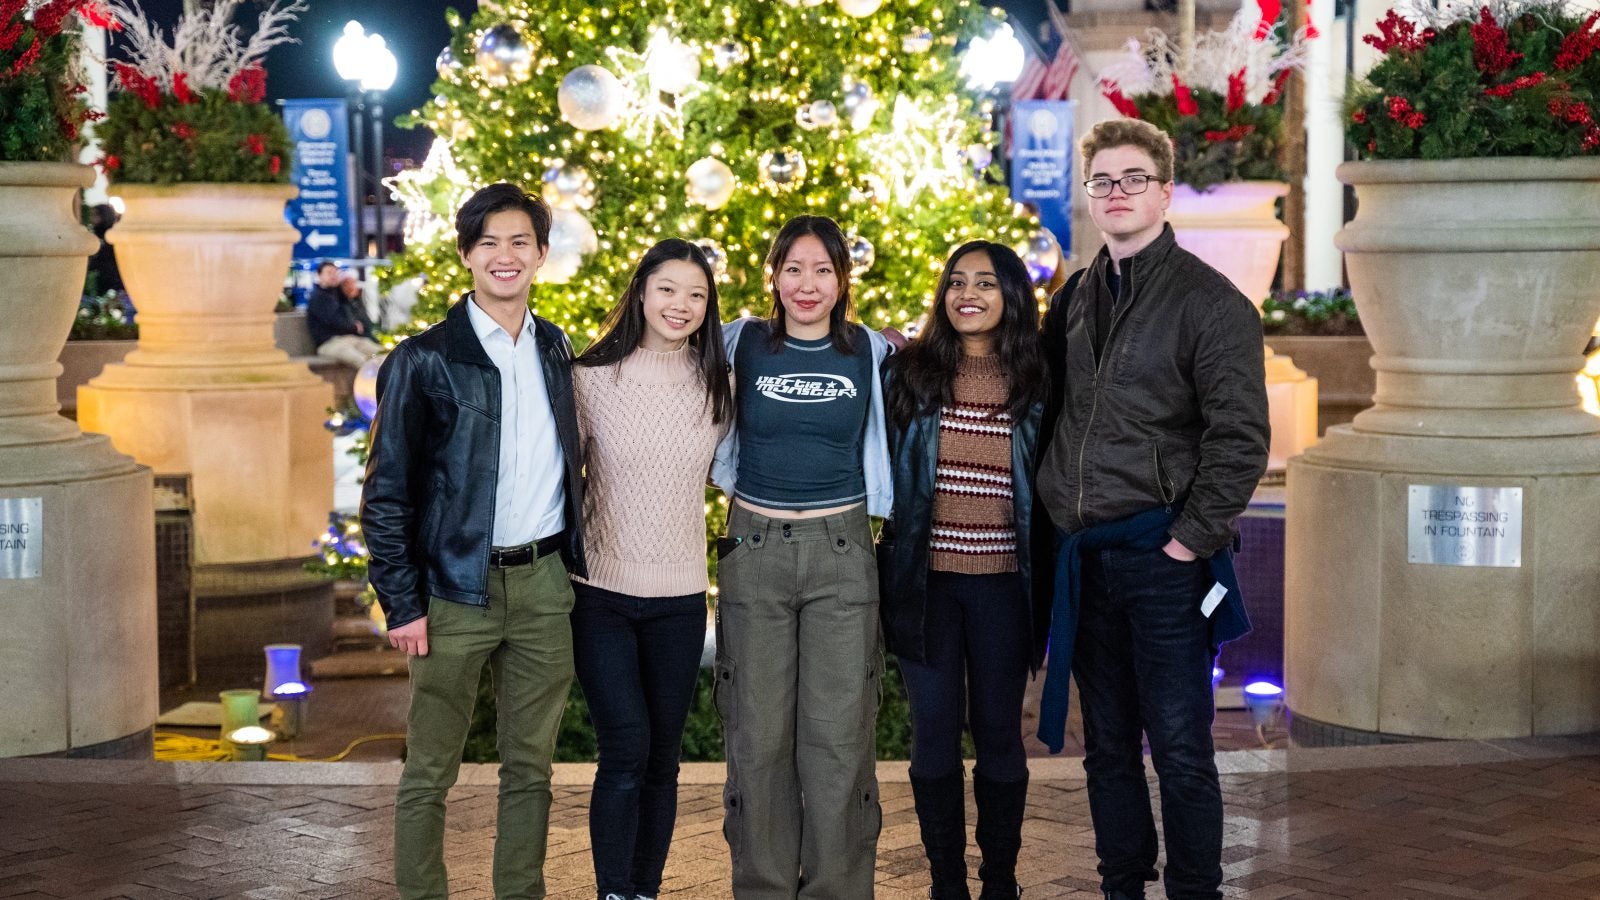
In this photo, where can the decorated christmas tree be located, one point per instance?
(714, 120)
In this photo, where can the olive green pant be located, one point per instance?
(525, 634)
(799, 663)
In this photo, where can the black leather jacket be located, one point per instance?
(427, 507)
(903, 554)
(1175, 410)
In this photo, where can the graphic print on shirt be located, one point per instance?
(805, 387)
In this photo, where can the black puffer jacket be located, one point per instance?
(427, 508)
(1175, 411)
(903, 553)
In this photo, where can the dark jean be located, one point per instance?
(976, 631)
(1143, 664)
(637, 659)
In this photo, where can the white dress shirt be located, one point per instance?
(529, 486)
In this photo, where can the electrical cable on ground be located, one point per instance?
(173, 747)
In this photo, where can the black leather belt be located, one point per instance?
(509, 557)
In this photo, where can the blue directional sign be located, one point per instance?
(324, 213)
(1041, 163)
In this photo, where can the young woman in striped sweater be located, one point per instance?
(963, 605)
(653, 401)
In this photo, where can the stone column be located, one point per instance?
(1442, 578)
(77, 520)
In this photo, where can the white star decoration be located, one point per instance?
(647, 110)
(921, 151)
(431, 194)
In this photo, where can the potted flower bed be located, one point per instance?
(1322, 332)
(1221, 104)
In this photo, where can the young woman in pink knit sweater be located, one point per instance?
(653, 401)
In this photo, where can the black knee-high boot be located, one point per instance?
(942, 812)
(1001, 806)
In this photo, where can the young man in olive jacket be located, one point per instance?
(471, 515)
(1160, 439)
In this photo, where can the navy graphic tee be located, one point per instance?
(802, 418)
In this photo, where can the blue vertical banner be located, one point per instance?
(324, 213)
(1041, 163)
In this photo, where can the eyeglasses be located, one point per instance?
(1131, 184)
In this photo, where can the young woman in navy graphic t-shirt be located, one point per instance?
(799, 658)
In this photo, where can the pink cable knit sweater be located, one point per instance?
(648, 440)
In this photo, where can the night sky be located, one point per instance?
(414, 30)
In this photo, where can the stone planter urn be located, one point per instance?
(207, 394)
(1234, 227)
(82, 361)
(77, 518)
(1442, 569)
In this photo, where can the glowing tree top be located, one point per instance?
(713, 121)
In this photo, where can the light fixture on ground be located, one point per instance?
(288, 690)
(249, 744)
(1264, 700)
(240, 708)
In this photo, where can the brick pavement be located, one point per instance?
(1514, 819)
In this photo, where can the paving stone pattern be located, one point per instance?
(1508, 828)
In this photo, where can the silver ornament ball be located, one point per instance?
(710, 182)
(446, 64)
(783, 169)
(1041, 254)
(727, 54)
(503, 55)
(715, 256)
(917, 40)
(824, 114)
(591, 98)
(862, 254)
(860, 8)
(568, 187)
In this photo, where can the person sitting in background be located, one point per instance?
(337, 319)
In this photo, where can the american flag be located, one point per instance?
(1041, 82)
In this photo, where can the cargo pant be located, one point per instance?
(526, 635)
(798, 673)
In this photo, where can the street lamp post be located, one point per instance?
(366, 61)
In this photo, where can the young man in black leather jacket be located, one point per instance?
(471, 515)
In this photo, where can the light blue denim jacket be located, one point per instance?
(875, 446)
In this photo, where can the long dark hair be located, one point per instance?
(828, 232)
(624, 326)
(925, 371)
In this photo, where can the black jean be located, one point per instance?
(1143, 664)
(637, 659)
(977, 645)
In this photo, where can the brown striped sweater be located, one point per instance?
(973, 528)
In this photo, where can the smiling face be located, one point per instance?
(675, 298)
(808, 287)
(973, 302)
(505, 258)
(1129, 223)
